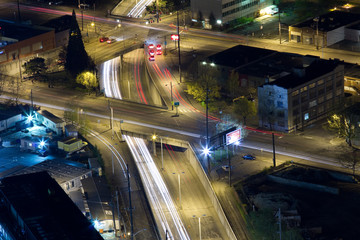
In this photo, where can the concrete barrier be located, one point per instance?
(195, 163)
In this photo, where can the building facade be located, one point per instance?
(21, 40)
(302, 97)
(326, 29)
(227, 11)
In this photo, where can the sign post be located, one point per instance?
(177, 104)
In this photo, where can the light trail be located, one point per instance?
(110, 78)
(138, 79)
(139, 8)
(159, 197)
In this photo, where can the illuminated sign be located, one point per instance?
(233, 136)
(174, 37)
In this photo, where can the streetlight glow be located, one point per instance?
(30, 118)
(154, 137)
(206, 151)
(218, 21)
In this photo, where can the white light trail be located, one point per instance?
(139, 8)
(160, 200)
(109, 78)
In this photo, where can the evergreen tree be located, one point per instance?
(77, 59)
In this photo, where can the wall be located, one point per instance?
(195, 163)
(352, 34)
(335, 36)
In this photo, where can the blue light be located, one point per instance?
(41, 144)
(206, 151)
(30, 118)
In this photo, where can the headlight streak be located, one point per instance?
(156, 189)
(139, 8)
(109, 78)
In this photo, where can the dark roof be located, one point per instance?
(7, 111)
(330, 21)
(315, 70)
(98, 196)
(59, 24)
(50, 116)
(20, 31)
(239, 55)
(46, 209)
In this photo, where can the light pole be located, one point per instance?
(194, 216)
(317, 32)
(162, 154)
(154, 144)
(179, 183)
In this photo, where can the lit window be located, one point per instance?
(306, 116)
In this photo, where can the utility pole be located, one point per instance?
(207, 126)
(157, 10)
(178, 33)
(273, 142)
(279, 26)
(130, 205)
(18, 6)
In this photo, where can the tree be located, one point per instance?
(233, 84)
(35, 67)
(350, 159)
(77, 59)
(267, 111)
(344, 124)
(200, 17)
(198, 88)
(88, 80)
(245, 108)
(212, 20)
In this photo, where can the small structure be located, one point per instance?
(68, 174)
(71, 144)
(71, 131)
(326, 29)
(95, 167)
(36, 207)
(34, 144)
(50, 121)
(98, 199)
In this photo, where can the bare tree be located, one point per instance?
(350, 159)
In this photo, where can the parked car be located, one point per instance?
(248, 157)
(226, 167)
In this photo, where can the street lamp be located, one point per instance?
(154, 145)
(194, 216)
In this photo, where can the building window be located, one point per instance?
(279, 96)
(338, 92)
(37, 46)
(295, 112)
(320, 82)
(295, 93)
(321, 91)
(303, 89)
(329, 87)
(281, 114)
(321, 109)
(312, 85)
(72, 184)
(312, 104)
(329, 96)
(281, 123)
(338, 83)
(280, 104)
(306, 116)
(270, 93)
(295, 102)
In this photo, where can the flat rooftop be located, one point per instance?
(45, 208)
(330, 21)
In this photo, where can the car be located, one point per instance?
(158, 47)
(152, 52)
(110, 40)
(158, 52)
(151, 58)
(151, 46)
(248, 157)
(103, 39)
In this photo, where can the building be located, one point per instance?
(34, 207)
(301, 97)
(11, 116)
(50, 121)
(71, 144)
(226, 11)
(34, 144)
(22, 40)
(327, 29)
(100, 205)
(67, 174)
(62, 28)
(71, 131)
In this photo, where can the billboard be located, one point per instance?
(233, 136)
